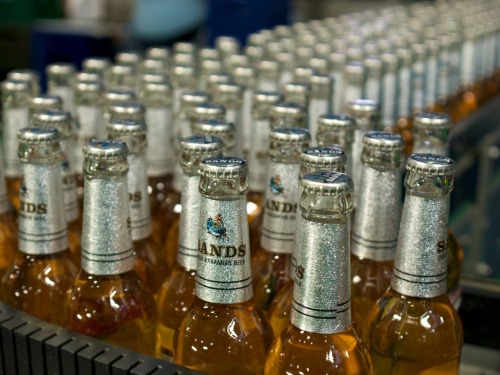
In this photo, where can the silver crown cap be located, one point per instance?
(290, 135)
(431, 120)
(266, 97)
(194, 97)
(105, 149)
(430, 165)
(61, 120)
(337, 121)
(14, 85)
(223, 167)
(119, 95)
(204, 144)
(383, 141)
(87, 77)
(61, 69)
(44, 102)
(127, 108)
(38, 144)
(208, 110)
(133, 132)
(323, 157)
(287, 110)
(327, 184)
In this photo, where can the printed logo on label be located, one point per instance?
(23, 190)
(276, 185)
(216, 228)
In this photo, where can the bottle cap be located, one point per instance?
(105, 158)
(223, 167)
(60, 69)
(337, 121)
(354, 69)
(119, 95)
(128, 57)
(118, 70)
(157, 52)
(87, 77)
(228, 93)
(184, 47)
(208, 66)
(207, 111)
(383, 141)
(152, 66)
(46, 102)
(293, 136)
(190, 98)
(287, 111)
(219, 128)
(296, 88)
(430, 165)
(331, 158)
(127, 110)
(29, 75)
(363, 108)
(227, 44)
(266, 98)
(373, 66)
(98, 64)
(132, 132)
(157, 87)
(303, 74)
(201, 145)
(18, 86)
(327, 184)
(208, 54)
(431, 120)
(61, 120)
(38, 144)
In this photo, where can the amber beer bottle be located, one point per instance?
(431, 132)
(224, 332)
(16, 96)
(8, 226)
(61, 120)
(376, 223)
(413, 328)
(271, 264)
(42, 271)
(320, 338)
(149, 262)
(177, 292)
(315, 159)
(108, 299)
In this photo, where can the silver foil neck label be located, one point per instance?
(258, 159)
(420, 267)
(223, 272)
(378, 214)
(42, 225)
(322, 292)
(106, 241)
(160, 157)
(14, 119)
(70, 196)
(90, 119)
(357, 149)
(140, 217)
(187, 254)
(280, 208)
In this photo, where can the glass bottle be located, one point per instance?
(183, 79)
(413, 328)
(337, 63)
(299, 93)
(227, 46)
(60, 82)
(287, 115)
(158, 53)
(61, 120)
(42, 103)
(245, 76)
(177, 292)
(122, 77)
(223, 318)
(271, 263)
(373, 84)
(108, 300)
(110, 97)
(99, 65)
(129, 110)
(337, 129)
(206, 68)
(389, 99)
(376, 223)
(315, 159)
(322, 89)
(230, 95)
(8, 226)
(366, 114)
(354, 82)
(320, 338)
(418, 79)
(257, 160)
(268, 75)
(431, 135)
(222, 129)
(403, 95)
(42, 271)
(150, 265)
(16, 96)
(157, 99)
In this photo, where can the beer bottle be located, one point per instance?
(60, 77)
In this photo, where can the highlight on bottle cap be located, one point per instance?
(207, 53)
(105, 149)
(363, 108)
(355, 68)
(208, 110)
(296, 88)
(99, 64)
(127, 109)
(121, 69)
(338, 121)
(131, 131)
(157, 87)
(128, 57)
(194, 97)
(267, 97)
(268, 67)
(327, 184)
(320, 81)
(430, 165)
(15, 85)
(181, 72)
(38, 144)
(290, 135)
(157, 52)
(89, 86)
(29, 75)
(223, 167)
(54, 118)
(61, 69)
(119, 95)
(287, 110)
(201, 144)
(383, 141)
(227, 91)
(431, 120)
(87, 77)
(324, 157)
(217, 127)
(45, 102)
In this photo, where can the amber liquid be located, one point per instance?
(37, 284)
(114, 308)
(174, 301)
(162, 200)
(172, 243)
(74, 241)
(150, 264)
(255, 219)
(13, 186)
(280, 307)
(8, 241)
(270, 273)
(298, 352)
(369, 281)
(409, 335)
(223, 339)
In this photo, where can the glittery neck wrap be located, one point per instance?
(321, 294)
(223, 272)
(377, 219)
(106, 239)
(420, 267)
(42, 225)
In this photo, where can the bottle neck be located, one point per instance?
(138, 197)
(431, 142)
(280, 211)
(14, 119)
(42, 225)
(404, 92)
(420, 267)
(106, 240)
(223, 272)
(322, 258)
(160, 159)
(258, 154)
(389, 85)
(378, 214)
(189, 222)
